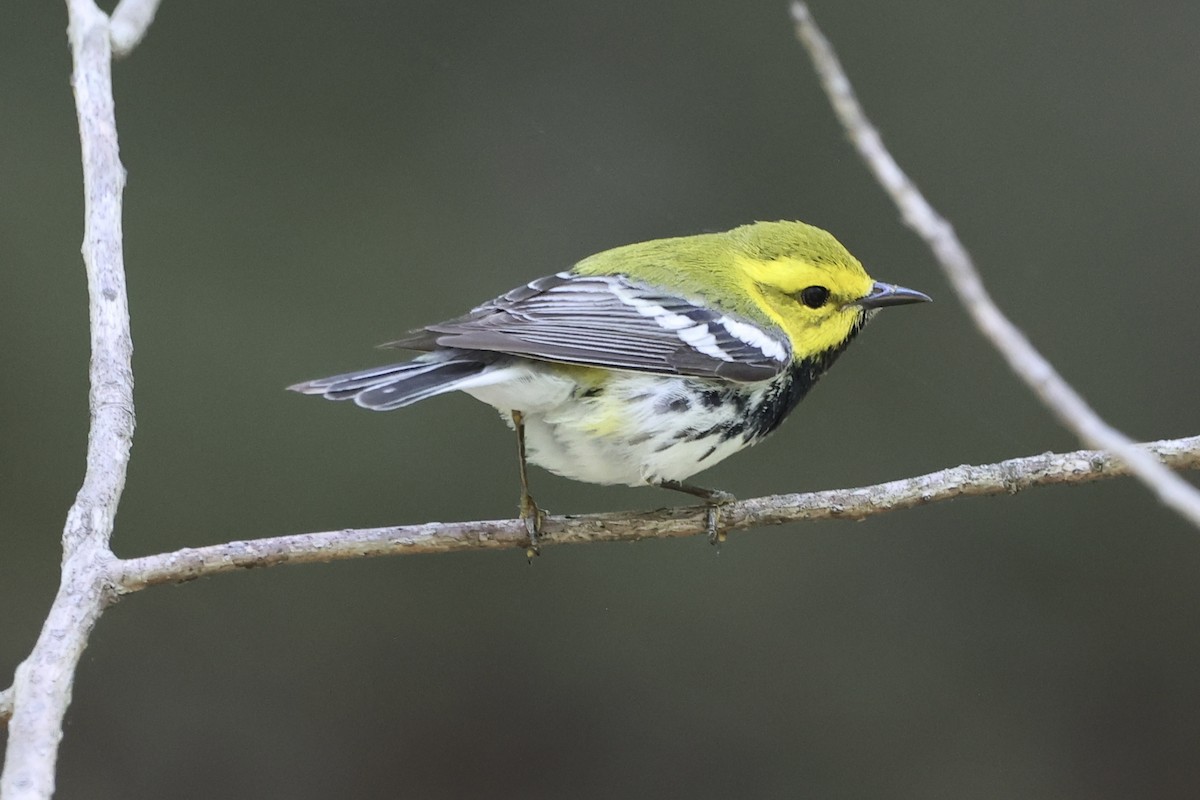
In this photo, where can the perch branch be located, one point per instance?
(42, 683)
(1006, 477)
(1023, 358)
(1010, 476)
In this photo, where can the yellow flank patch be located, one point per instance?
(606, 412)
(587, 376)
(607, 419)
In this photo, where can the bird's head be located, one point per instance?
(808, 284)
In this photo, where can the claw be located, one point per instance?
(713, 498)
(712, 516)
(532, 516)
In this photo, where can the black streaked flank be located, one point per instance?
(677, 404)
(682, 435)
(715, 398)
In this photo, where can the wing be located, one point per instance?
(612, 321)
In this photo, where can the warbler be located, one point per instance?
(647, 363)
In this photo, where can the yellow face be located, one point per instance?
(812, 300)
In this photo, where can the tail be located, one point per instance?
(398, 385)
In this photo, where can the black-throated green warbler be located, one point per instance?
(646, 363)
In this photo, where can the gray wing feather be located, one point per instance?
(610, 321)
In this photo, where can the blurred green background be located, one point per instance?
(309, 179)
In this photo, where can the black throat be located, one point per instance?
(788, 390)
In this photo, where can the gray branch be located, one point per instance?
(1006, 477)
(130, 21)
(42, 683)
(1023, 358)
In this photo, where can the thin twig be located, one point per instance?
(42, 683)
(438, 537)
(130, 20)
(1024, 359)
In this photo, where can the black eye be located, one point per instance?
(814, 296)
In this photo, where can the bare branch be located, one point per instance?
(130, 20)
(1011, 476)
(1024, 359)
(92, 577)
(42, 683)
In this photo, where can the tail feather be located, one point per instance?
(397, 385)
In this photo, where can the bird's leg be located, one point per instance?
(714, 498)
(531, 515)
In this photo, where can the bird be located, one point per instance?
(646, 363)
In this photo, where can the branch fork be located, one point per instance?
(93, 577)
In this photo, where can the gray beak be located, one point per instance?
(889, 294)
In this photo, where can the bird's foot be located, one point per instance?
(533, 517)
(712, 516)
(713, 498)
